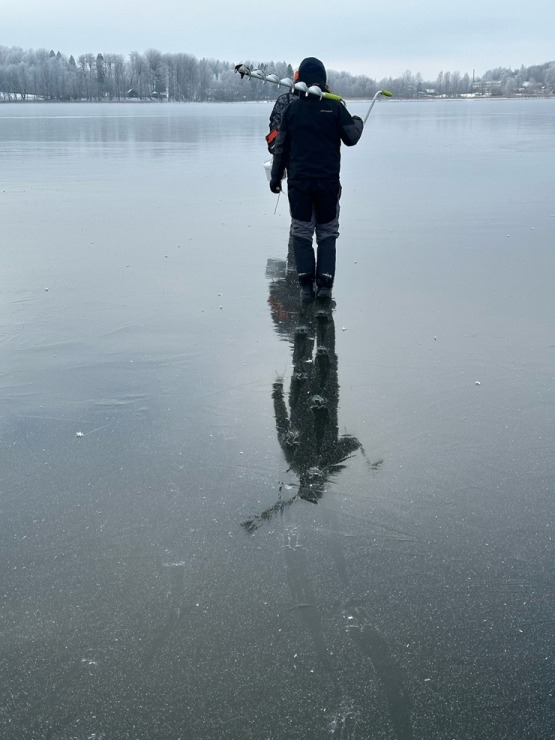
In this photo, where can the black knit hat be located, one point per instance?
(313, 72)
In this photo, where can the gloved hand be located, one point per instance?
(359, 123)
(275, 186)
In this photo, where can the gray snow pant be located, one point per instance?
(314, 206)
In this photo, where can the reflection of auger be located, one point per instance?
(300, 87)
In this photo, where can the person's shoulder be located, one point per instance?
(341, 108)
(281, 101)
(332, 106)
(294, 101)
(336, 104)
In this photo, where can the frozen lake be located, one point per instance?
(224, 518)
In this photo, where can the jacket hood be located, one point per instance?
(313, 72)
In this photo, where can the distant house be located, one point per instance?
(489, 88)
(132, 93)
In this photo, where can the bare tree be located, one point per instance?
(50, 75)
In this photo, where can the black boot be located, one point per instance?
(324, 292)
(324, 284)
(307, 292)
(306, 265)
(325, 271)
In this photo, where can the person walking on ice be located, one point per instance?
(308, 146)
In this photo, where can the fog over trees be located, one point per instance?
(50, 75)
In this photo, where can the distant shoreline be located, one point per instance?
(153, 101)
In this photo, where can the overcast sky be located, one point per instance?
(379, 39)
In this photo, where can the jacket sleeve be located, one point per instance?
(278, 110)
(350, 127)
(281, 151)
(276, 115)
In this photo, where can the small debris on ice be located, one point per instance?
(477, 382)
(79, 434)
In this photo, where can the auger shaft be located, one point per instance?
(302, 87)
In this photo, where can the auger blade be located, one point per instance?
(315, 90)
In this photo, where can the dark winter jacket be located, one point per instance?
(311, 131)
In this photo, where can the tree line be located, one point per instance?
(49, 75)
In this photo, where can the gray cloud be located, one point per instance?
(361, 37)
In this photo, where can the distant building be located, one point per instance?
(491, 88)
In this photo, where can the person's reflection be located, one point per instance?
(307, 426)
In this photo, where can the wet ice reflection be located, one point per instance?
(306, 419)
